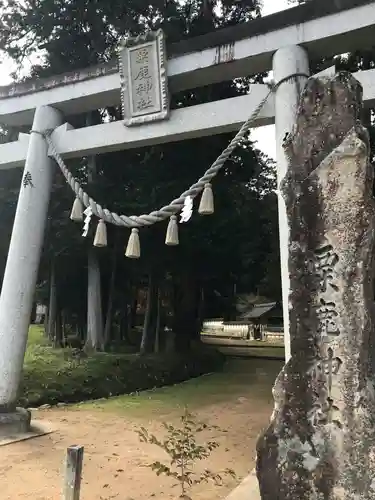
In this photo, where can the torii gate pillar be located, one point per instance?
(287, 61)
(22, 267)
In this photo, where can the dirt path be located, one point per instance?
(115, 462)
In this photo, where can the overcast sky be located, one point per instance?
(264, 135)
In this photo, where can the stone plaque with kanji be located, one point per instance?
(143, 79)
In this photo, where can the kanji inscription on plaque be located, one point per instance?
(143, 79)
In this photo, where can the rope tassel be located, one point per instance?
(100, 240)
(171, 238)
(77, 211)
(206, 206)
(133, 250)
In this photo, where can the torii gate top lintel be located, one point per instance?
(248, 48)
(322, 28)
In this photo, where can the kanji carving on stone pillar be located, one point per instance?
(321, 440)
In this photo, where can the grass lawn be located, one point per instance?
(53, 375)
(238, 377)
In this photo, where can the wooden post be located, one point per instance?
(73, 472)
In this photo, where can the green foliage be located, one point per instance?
(9, 187)
(94, 26)
(53, 375)
(184, 452)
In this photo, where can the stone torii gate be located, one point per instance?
(282, 42)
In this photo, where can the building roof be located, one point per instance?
(260, 310)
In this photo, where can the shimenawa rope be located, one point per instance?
(136, 221)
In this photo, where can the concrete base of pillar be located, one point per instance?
(14, 422)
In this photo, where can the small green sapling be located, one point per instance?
(184, 452)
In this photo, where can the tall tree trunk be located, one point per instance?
(133, 308)
(157, 326)
(82, 331)
(148, 334)
(46, 319)
(52, 308)
(127, 314)
(58, 339)
(126, 318)
(94, 338)
(185, 321)
(125, 327)
(63, 324)
(94, 304)
(122, 333)
(147, 319)
(201, 311)
(109, 315)
(33, 314)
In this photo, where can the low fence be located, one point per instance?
(242, 330)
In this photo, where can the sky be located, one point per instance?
(265, 136)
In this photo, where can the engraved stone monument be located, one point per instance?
(144, 81)
(321, 441)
